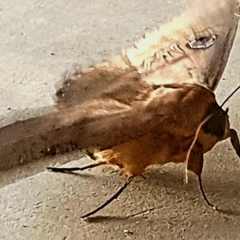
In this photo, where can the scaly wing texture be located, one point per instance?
(125, 98)
(104, 122)
(163, 56)
(193, 47)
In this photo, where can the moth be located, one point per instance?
(175, 131)
(152, 104)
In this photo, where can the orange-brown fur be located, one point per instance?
(136, 155)
(174, 141)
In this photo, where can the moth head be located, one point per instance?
(218, 125)
(215, 129)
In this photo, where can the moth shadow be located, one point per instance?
(81, 174)
(170, 181)
(222, 192)
(102, 218)
(229, 212)
(167, 179)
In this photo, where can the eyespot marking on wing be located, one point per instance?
(202, 42)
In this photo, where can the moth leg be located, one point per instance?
(195, 164)
(235, 141)
(203, 193)
(96, 163)
(115, 196)
(72, 169)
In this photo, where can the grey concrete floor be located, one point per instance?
(39, 41)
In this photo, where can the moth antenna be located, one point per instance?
(72, 169)
(203, 193)
(236, 89)
(115, 196)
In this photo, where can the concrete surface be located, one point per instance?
(39, 41)
(42, 39)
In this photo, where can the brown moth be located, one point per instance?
(167, 129)
(192, 48)
(160, 89)
(152, 104)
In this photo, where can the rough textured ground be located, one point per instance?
(39, 41)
